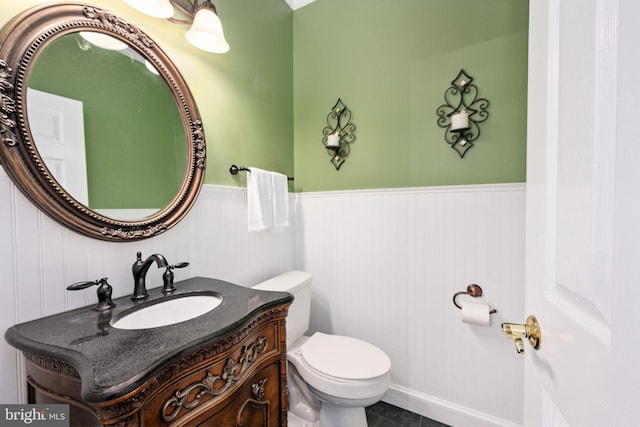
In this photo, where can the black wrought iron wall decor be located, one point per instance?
(339, 133)
(462, 113)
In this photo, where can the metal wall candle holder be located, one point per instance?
(462, 113)
(339, 133)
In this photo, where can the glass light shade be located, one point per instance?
(206, 32)
(155, 8)
(150, 67)
(103, 40)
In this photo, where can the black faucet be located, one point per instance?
(140, 269)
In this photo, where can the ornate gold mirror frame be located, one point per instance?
(21, 41)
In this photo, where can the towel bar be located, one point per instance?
(233, 170)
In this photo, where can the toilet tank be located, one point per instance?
(297, 283)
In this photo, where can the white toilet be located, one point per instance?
(331, 378)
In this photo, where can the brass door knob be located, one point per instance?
(530, 331)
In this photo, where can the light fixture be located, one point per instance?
(104, 41)
(150, 67)
(206, 29)
(462, 113)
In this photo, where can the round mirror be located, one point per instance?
(97, 126)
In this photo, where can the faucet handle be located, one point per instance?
(82, 285)
(104, 292)
(179, 265)
(167, 277)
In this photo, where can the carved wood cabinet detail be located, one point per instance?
(239, 380)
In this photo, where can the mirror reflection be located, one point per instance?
(106, 125)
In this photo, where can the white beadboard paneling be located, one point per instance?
(54, 274)
(12, 381)
(41, 258)
(230, 252)
(386, 268)
(27, 253)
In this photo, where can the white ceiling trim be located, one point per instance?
(297, 4)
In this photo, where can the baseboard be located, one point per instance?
(441, 410)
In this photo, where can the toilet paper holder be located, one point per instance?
(473, 290)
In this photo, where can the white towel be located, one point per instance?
(267, 200)
(259, 200)
(280, 187)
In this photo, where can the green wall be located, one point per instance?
(245, 96)
(248, 91)
(391, 62)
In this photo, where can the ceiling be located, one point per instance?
(297, 4)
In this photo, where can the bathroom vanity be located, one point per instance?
(226, 367)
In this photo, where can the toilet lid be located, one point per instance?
(344, 357)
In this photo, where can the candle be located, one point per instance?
(333, 140)
(460, 120)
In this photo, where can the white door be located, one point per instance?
(583, 213)
(57, 125)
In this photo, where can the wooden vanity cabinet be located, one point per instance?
(239, 380)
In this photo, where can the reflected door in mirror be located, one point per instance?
(57, 124)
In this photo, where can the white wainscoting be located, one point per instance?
(40, 257)
(227, 251)
(386, 264)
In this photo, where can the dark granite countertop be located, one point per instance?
(112, 362)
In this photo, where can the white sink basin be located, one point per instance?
(168, 312)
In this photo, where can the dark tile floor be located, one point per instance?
(385, 415)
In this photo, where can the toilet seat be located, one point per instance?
(341, 367)
(344, 358)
